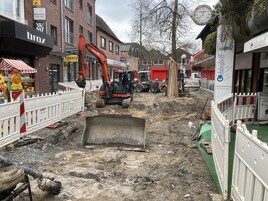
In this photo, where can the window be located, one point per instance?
(81, 4)
(146, 62)
(80, 29)
(69, 4)
(243, 81)
(13, 10)
(111, 46)
(103, 43)
(53, 1)
(89, 14)
(117, 49)
(53, 33)
(265, 81)
(160, 62)
(69, 36)
(89, 36)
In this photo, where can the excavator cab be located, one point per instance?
(120, 91)
(122, 82)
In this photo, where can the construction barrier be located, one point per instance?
(24, 116)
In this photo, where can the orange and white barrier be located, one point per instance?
(15, 95)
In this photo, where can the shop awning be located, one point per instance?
(10, 64)
(111, 62)
(21, 40)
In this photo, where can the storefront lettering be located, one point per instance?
(35, 38)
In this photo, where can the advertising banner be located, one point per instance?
(224, 62)
(39, 13)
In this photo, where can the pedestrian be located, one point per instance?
(81, 80)
(156, 86)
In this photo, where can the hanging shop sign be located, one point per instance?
(40, 26)
(36, 2)
(71, 58)
(39, 13)
(257, 44)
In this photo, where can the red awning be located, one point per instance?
(10, 64)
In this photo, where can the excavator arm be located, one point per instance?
(100, 56)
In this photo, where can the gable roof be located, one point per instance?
(101, 25)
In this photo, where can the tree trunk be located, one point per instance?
(173, 71)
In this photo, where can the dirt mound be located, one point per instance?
(169, 168)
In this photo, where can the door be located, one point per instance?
(53, 77)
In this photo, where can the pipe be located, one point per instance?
(45, 183)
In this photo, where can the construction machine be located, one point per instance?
(120, 89)
(111, 128)
(144, 83)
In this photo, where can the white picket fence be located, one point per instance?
(220, 138)
(250, 178)
(40, 111)
(225, 111)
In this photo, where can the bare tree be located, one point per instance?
(156, 21)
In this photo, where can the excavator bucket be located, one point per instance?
(114, 129)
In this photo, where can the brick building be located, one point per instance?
(108, 42)
(18, 39)
(64, 21)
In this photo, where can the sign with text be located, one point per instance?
(262, 106)
(224, 62)
(71, 58)
(40, 26)
(39, 13)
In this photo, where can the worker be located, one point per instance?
(156, 86)
(81, 80)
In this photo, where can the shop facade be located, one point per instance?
(22, 45)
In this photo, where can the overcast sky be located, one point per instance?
(119, 15)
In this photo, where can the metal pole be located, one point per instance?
(62, 38)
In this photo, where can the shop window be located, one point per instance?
(265, 82)
(54, 77)
(69, 36)
(243, 80)
(236, 89)
(103, 42)
(53, 33)
(248, 81)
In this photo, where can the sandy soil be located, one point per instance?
(170, 168)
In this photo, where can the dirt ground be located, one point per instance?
(170, 167)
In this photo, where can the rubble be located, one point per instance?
(168, 169)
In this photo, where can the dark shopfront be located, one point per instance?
(20, 42)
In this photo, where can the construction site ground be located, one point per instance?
(169, 168)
